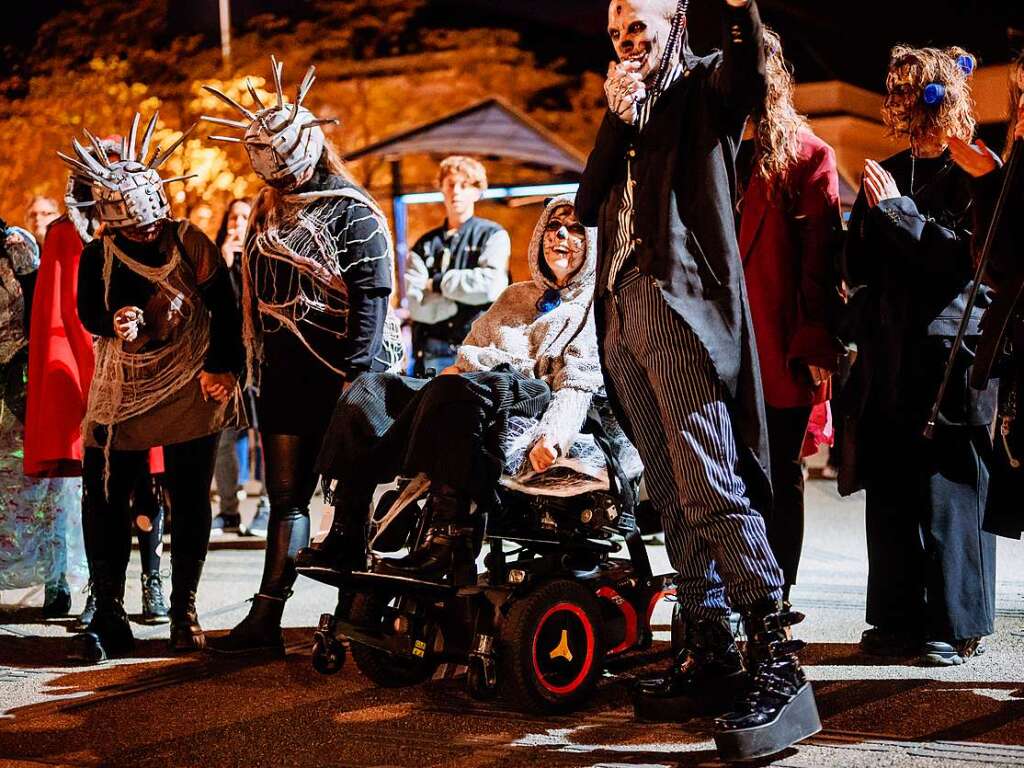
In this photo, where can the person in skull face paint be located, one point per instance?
(316, 284)
(931, 567)
(680, 362)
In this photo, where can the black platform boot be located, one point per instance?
(186, 633)
(779, 710)
(448, 550)
(344, 547)
(706, 678)
(108, 633)
(259, 631)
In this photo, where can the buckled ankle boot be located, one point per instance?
(705, 679)
(186, 632)
(344, 547)
(260, 630)
(448, 548)
(108, 633)
(779, 708)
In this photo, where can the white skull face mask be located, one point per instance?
(128, 192)
(284, 141)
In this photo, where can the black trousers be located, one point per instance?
(931, 568)
(107, 510)
(785, 522)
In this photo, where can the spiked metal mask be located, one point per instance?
(284, 140)
(128, 192)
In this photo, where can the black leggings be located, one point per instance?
(107, 517)
(290, 465)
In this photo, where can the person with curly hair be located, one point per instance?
(789, 222)
(931, 567)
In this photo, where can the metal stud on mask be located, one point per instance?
(129, 192)
(284, 141)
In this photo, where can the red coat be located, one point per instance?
(60, 360)
(788, 260)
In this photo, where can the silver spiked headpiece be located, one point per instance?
(128, 192)
(283, 140)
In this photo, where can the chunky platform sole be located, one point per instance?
(678, 709)
(90, 648)
(796, 722)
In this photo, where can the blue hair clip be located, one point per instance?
(550, 299)
(934, 93)
(966, 64)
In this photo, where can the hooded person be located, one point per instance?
(154, 293)
(531, 358)
(317, 277)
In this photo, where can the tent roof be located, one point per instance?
(490, 127)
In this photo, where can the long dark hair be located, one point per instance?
(222, 230)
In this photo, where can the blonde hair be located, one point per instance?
(777, 124)
(1016, 73)
(911, 70)
(472, 170)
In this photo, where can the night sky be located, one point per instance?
(825, 39)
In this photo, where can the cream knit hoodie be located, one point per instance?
(559, 346)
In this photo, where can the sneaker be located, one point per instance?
(259, 524)
(938, 653)
(154, 608)
(885, 642)
(222, 524)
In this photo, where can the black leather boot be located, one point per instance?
(186, 632)
(108, 633)
(260, 630)
(779, 709)
(344, 547)
(90, 607)
(705, 679)
(57, 598)
(449, 548)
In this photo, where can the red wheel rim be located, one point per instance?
(588, 636)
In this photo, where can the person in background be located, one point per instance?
(788, 229)
(931, 567)
(41, 212)
(232, 468)
(1001, 348)
(455, 271)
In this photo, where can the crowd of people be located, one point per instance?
(701, 278)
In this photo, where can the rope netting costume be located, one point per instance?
(296, 230)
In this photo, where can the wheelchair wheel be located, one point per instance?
(550, 648)
(383, 668)
(328, 655)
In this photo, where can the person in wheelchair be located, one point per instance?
(525, 376)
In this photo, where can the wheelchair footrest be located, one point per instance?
(403, 584)
(324, 575)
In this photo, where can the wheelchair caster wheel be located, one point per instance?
(551, 649)
(477, 683)
(328, 655)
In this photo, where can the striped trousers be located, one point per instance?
(676, 416)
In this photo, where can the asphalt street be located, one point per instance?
(200, 710)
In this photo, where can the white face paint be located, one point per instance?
(564, 243)
(638, 30)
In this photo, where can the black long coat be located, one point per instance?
(685, 231)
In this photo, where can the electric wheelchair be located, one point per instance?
(566, 587)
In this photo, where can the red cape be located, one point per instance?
(60, 360)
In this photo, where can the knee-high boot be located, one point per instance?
(260, 630)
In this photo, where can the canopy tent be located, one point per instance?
(491, 128)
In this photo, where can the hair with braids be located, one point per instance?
(905, 112)
(777, 124)
(1016, 91)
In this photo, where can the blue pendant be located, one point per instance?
(549, 300)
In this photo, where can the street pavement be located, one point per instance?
(200, 710)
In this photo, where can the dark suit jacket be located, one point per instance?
(788, 247)
(685, 232)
